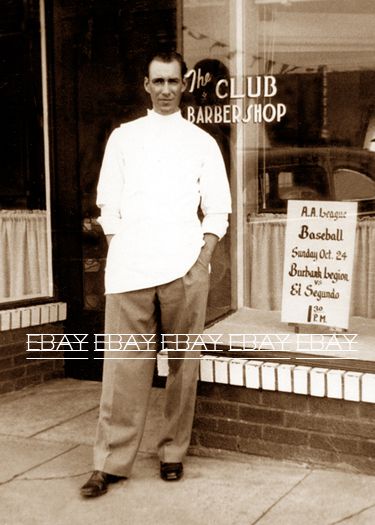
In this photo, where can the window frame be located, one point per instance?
(38, 30)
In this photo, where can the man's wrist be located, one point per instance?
(207, 250)
(210, 242)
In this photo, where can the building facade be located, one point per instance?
(286, 89)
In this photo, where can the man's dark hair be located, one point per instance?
(166, 56)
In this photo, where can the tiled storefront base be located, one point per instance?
(16, 370)
(315, 381)
(316, 425)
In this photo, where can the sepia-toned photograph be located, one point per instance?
(187, 262)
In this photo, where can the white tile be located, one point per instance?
(15, 319)
(25, 317)
(221, 366)
(252, 374)
(237, 371)
(206, 368)
(44, 314)
(335, 384)
(368, 388)
(53, 312)
(352, 386)
(318, 382)
(35, 315)
(62, 309)
(268, 375)
(162, 363)
(285, 378)
(301, 379)
(5, 320)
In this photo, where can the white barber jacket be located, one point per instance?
(156, 171)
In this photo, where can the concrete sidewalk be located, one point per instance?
(46, 436)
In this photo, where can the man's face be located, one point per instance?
(165, 86)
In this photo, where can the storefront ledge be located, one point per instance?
(304, 380)
(32, 316)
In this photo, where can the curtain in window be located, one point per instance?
(363, 295)
(266, 255)
(23, 254)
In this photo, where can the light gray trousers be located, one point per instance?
(177, 307)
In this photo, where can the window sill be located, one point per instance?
(260, 329)
(332, 374)
(12, 319)
(281, 377)
(287, 378)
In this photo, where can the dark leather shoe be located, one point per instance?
(98, 483)
(171, 471)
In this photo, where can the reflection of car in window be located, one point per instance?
(342, 174)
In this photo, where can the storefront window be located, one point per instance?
(206, 43)
(319, 53)
(295, 83)
(25, 260)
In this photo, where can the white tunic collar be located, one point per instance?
(157, 117)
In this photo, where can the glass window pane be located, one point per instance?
(353, 185)
(207, 52)
(25, 262)
(320, 55)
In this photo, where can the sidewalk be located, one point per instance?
(46, 436)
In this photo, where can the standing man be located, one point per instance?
(157, 171)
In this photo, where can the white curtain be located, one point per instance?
(24, 268)
(266, 256)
